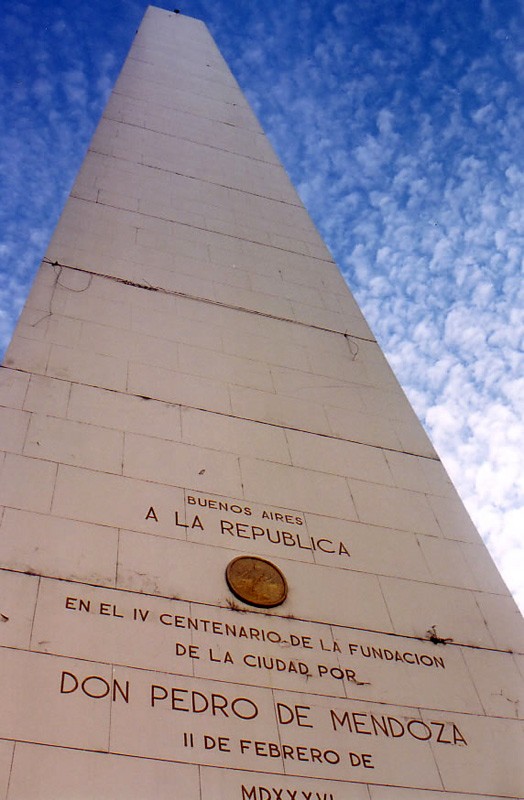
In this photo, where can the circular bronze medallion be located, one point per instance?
(256, 581)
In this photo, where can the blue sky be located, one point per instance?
(400, 123)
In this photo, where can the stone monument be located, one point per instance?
(233, 566)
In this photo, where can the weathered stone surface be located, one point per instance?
(192, 381)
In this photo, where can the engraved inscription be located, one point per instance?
(228, 523)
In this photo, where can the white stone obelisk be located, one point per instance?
(190, 384)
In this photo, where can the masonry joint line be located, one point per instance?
(185, 295)
(279, 426)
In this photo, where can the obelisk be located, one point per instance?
(233, 566)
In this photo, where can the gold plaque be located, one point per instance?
(256, 581)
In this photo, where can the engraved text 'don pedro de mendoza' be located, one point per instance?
(256, 581)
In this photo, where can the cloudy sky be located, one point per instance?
(400, 123)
